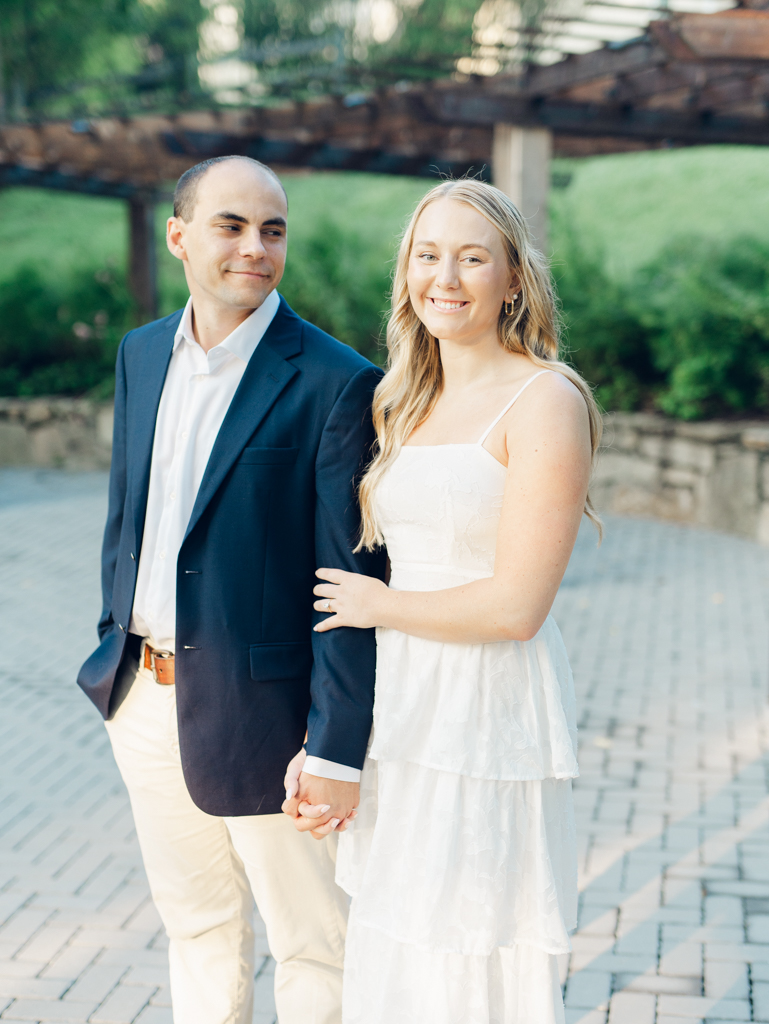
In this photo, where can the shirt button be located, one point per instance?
(162, 554)
(185, 435)
(172, 495)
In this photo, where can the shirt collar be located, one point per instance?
(243, 340)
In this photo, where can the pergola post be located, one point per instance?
(520, 165)
(142, 257)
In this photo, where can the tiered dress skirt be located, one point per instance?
(462, 861)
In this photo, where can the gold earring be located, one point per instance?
(509, 312)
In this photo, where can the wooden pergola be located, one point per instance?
(693, 79)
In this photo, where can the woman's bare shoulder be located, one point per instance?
(552, 409)
(553, 394)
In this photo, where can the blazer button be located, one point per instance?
(119, 626)
(133, 557)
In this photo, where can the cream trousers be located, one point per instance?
(203, 871)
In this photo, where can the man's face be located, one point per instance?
(234, 245)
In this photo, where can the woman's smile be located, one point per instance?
(448, 305)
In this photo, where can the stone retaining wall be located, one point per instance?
(68, 433)
(712, 474)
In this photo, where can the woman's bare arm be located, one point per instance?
(548, 444)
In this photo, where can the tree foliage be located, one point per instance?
(81, 57)
(417, 39)
(65, 57)
(44, 43)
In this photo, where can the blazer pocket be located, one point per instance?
(268, 456)
(272, 662)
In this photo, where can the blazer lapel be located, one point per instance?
(265, 377)
(152, 368)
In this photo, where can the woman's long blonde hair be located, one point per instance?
(414, 378)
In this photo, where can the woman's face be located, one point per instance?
(458, 275)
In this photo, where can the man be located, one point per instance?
(239, 432)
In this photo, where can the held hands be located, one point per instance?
(318, 806)
(350, 599)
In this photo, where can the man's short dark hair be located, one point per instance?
(186, 191)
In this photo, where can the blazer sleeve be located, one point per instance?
(344, 659)
(117, 495)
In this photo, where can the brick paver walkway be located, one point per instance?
(668, 632)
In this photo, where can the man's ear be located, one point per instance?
(175, 237)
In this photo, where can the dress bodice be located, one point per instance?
(439, 506)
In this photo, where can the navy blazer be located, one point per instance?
(277, 501)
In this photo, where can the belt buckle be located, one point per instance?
(162, 655)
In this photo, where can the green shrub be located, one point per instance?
(603, 332)
(688, 335)
(61, 337)
(706, 307)
(339, 281)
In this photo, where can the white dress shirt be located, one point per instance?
(198, 389)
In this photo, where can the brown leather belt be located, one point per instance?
(160, 664)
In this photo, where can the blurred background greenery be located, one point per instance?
(79, 58)
(661, 258)
(663, 276)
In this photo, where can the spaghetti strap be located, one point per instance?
(512, 402)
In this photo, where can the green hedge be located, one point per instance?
(61, 337)
(688, 334)
(337, 280)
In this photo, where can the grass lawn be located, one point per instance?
(629, 206)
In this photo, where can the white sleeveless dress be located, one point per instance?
(462, 861)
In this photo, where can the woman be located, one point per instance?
(462, 860)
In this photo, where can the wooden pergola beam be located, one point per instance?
(447, 129)
(29, 177)
(697, 127)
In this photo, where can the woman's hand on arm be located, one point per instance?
(355, 600)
